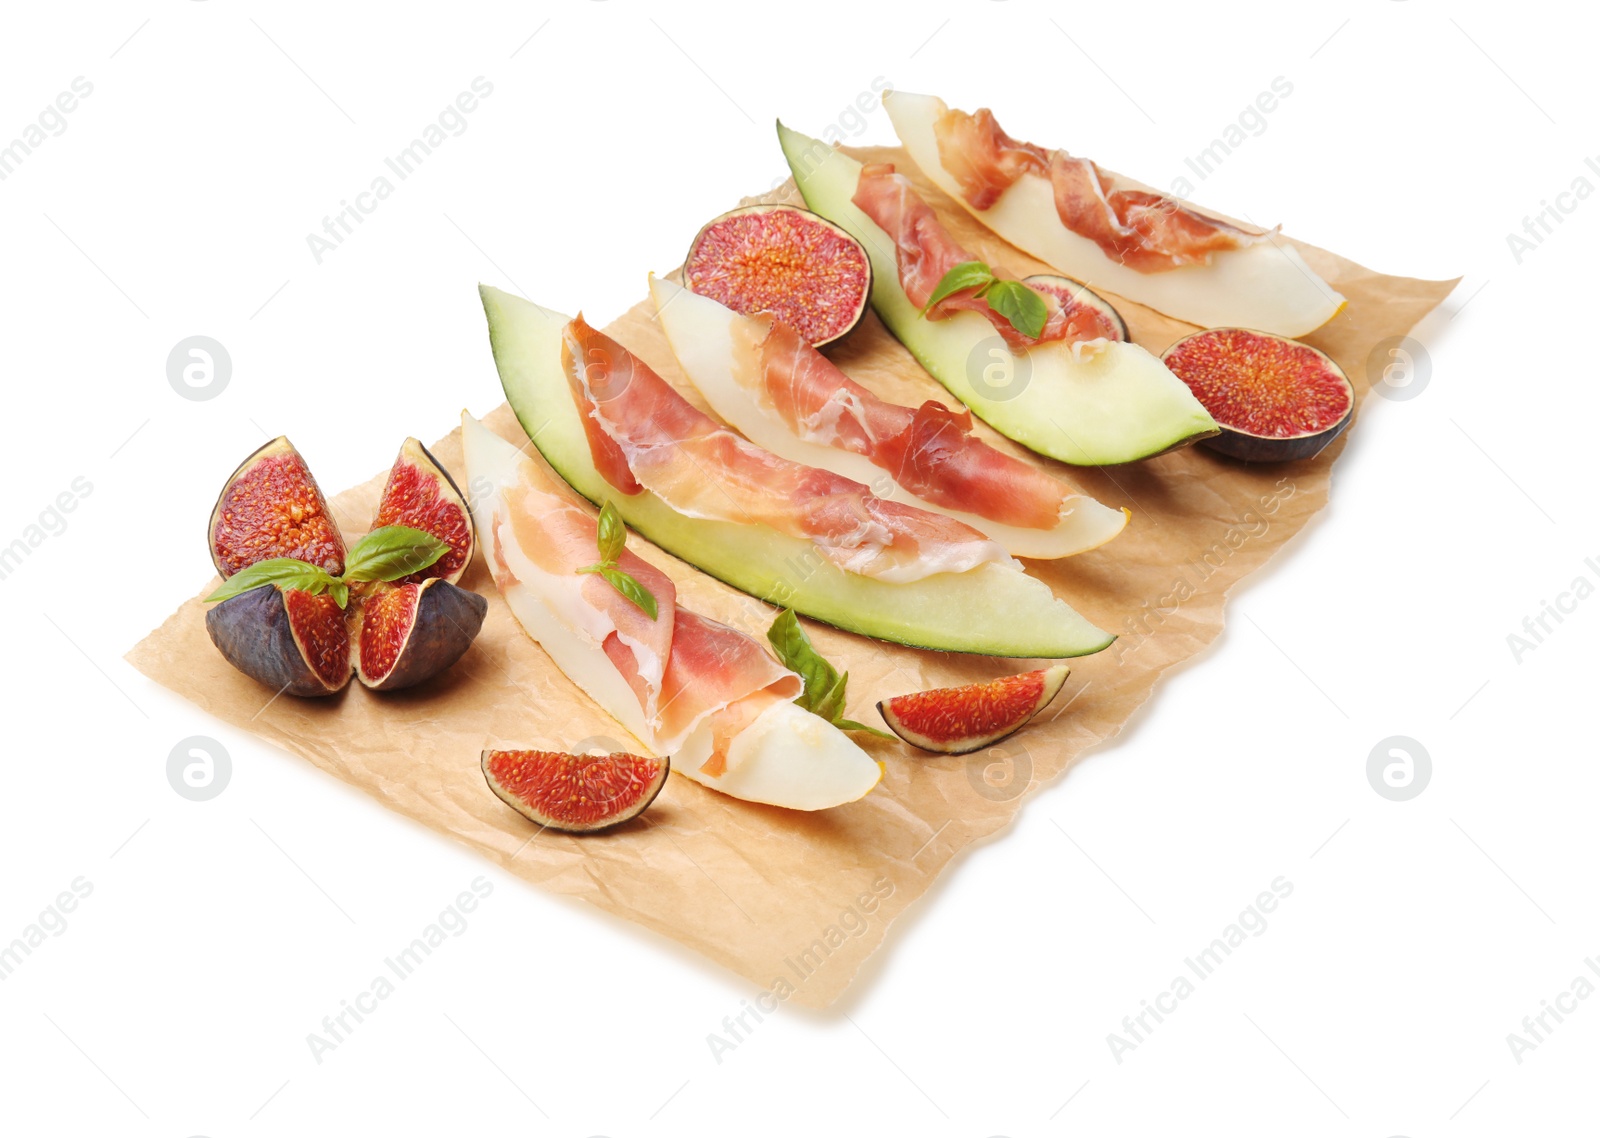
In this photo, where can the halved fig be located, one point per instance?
(394, 634)
(291, 641)
(580, 794)
(411, 632)
(421, 494)
(955, 721)
(271, 507)
(1275, 399)
(776, 258)
(1089, 315)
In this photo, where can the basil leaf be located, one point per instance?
(1019, 304)
(968, 274)
(391, 552)
(641, 597)
(852, 725)
(285, 571)
(340, 593)
(794, 651)
(613, 537)
(823, 692)
(831, 705)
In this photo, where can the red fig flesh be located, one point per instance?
(393, 635)
(289, 640)
(271, 507)
(801, 267)
(411, 632)
(1275, 399)
(577, 793)
(1089, 315)
(421, 494)
(956, 721)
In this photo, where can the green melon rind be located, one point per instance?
(994, 610)
(1120, 405)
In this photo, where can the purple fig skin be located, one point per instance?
(447, 621)
(252, 631)
(1253, 448)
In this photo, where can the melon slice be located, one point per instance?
(1094, 404)
(715, 346)
(994, 609)
(1267, 286)
(784, 756)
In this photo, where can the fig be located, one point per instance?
(1275, 399)
(955, 721)
(413, 631)
(580, 794)
(287, 639)
(306, 635)
(1090, 315)
(421, 494)
(271, 507)
(788, 261)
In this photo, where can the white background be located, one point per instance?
(218, 934)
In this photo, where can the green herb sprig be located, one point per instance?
(612, 539)
(823, 692)
(1023, 308)
(386, 554)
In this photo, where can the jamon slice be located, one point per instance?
(1146, 231)
(995, 609)
(1089, 404)
(684, 685)
(925, 252)
(643, 434)
(760, 375)
(1109, 231)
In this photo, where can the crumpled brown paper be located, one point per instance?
(796, 902)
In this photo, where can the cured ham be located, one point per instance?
(644, 435)
(701, 691)
(996, 609)
(925, 252)
(762, 377)
(930, 450)
(680, 666)
(1095, 404)
(983, 159)
(1110, 232)
(1143, 230)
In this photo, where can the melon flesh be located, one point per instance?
(1265, 286)
(994, 609)
(787, 758)
(702, 334)
(1087, 404)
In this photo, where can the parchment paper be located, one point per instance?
(796, 902)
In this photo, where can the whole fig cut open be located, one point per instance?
(308, 641)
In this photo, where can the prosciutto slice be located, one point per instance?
(644, 435)
(925, 252)
(930, 450)
(1146, 231)
(683, 669)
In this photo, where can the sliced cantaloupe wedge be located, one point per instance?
(994, 609)
(1093, 404)
(719, 350)
(1266, 286)
(784, 756)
